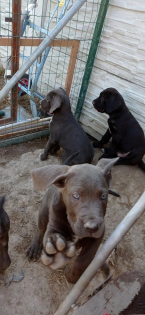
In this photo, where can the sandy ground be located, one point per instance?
(42, 290)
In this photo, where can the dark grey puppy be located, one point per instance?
(5, 260)
(65, 131)
(128, 141)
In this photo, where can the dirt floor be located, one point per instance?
(42, 290)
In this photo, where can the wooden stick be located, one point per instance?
(21, 132)
(71, 67)
(20, 128)
(5, 121)
(16, 30)
(12, 125)
(34, 42)
(24, 124)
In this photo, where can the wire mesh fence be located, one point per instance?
(61, 65)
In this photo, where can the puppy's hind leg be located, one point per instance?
(54, 149)
(111, 153)
(51, 147)
(133, 158)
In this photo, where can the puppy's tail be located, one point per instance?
(142, 165)
(111, 192)
(70, 158)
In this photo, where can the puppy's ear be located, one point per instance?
(55, 103)
(44, 103)
(63, 90)
(45, 176)
(106, 165)
(114, 102)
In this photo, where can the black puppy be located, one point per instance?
(65, 131)
(128, 141)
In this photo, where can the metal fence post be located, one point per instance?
(91, 57)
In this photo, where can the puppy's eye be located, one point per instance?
(103, 197)
(102, 99)
(76, 195)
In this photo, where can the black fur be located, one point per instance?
(127, 135)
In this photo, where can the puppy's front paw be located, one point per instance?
(57, 251)
(43, 157)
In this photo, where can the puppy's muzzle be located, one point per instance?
(94, 102)
(92, 227)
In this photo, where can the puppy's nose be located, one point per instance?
(92, 227)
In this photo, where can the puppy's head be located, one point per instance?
(109, 101)
(84, 190)
(55, 100)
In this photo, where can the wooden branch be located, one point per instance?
(22, 132)
(15, 51)
(30, 42)
(30, 123)
(71, 67)
(5, 121)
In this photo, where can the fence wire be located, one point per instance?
(60, 67)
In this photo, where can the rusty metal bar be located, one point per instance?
(16, 29)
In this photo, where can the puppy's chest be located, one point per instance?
(112, 126)
(115, 127)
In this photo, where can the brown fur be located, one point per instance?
(73, 206)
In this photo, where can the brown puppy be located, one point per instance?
(65, 131)
(128, 141)
(72, 214)
(5, 260)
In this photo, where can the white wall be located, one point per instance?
(119, 63)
